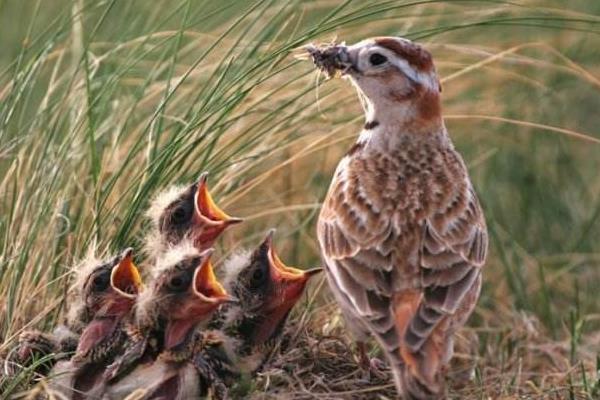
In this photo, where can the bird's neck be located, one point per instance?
(390, 123)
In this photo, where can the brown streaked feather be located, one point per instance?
(392, 226)
(450, 265)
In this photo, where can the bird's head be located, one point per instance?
(395, 78)
(187, 212)
(267, 289)
(184, 292)
(108, 293)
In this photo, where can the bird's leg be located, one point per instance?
(363, 356)
(369, 365)
(34, 345)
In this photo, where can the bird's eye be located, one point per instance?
(101, 281)
(179, 283)
(179, 215)
(377, 59)
(257, 278)
(257, 275)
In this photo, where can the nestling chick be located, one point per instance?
(401, 230)
(267, 290)
(64, 338)
(104, 297)
(183, 294)
(186, 212)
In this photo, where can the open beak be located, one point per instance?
(286, 286)
(204, 296)
(206, 286)
(206, 208)
(289, 281)
(333, 60)
(125, 278)
(126, 284)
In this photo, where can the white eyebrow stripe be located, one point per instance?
(428, 79)
(424, 78)
(405, 67)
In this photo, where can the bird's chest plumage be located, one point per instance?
(376, 196)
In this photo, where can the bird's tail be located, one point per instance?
(418, 373)
(418, 376)
(413, 387)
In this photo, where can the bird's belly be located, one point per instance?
(158, 380)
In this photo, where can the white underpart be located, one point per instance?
(244, 364)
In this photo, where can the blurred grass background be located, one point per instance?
(103, 103)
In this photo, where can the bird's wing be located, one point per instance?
(360, 239)
(453, 249)
(357, 238)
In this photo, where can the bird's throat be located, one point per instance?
(177, 332)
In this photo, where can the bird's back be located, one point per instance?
(383, 209)
(377, 196)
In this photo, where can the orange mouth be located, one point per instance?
(202, 299)
(284, 287)
(206, 208)
(206, 286)
(280, 272)
(125, 278)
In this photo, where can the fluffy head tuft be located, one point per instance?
(146, 314)
(154, 244)
(92, 259)
(232, 267)
(80, 272)
(162, 200)
(174, 255)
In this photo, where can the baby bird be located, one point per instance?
(401, 230)
(247, 331)
(105, 293)
(183, 294)
(185, 212)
